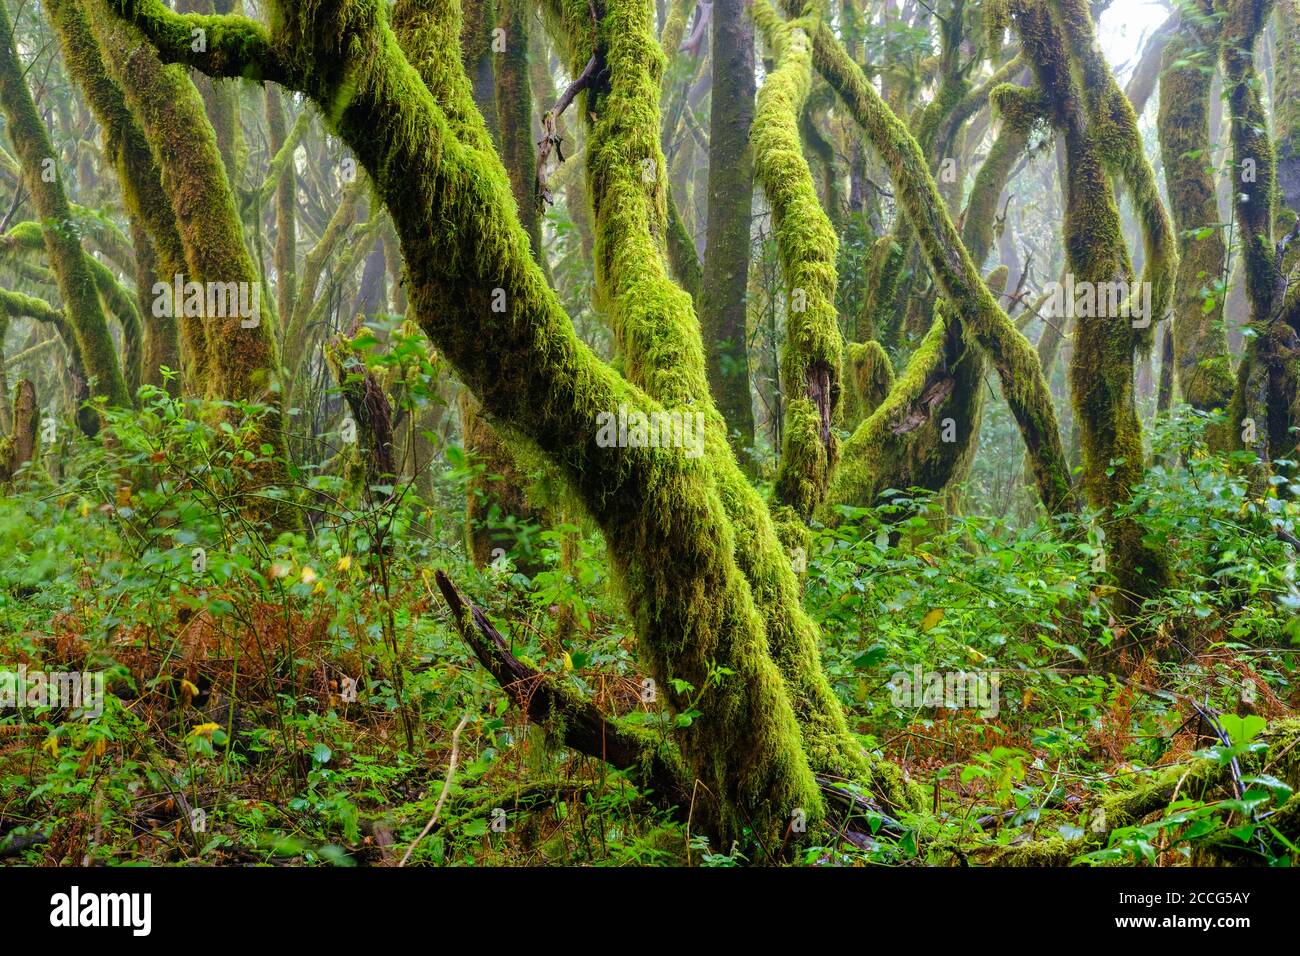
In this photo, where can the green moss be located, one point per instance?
(1204, 779)
(871, 377)
(981, 216)
(706, 580)
(1286, 104)
(1009, 352)
(63, 246)
(1097, 129)
(884, 270)
(1113, 129)
(1266, 377)
(924, 431)
(807, 248)
(282, 180)
(240, 363)
(1200, 340)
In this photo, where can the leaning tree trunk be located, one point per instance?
(711, 593)
(158, 251)
(241, 357)
(965, 292)
(44, 183)
(806, 246)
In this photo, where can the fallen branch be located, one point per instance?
(446, 788)
(652, 763)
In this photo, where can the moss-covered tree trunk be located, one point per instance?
(159, 253)
(241, 362)
(1200, 338)
(1099, 131)
(806, 245)
(1262, 406)
(1286, 102)
(285, 258)
(44, 182)
(965, 292)
(711, 592)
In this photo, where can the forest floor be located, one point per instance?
(304, 698)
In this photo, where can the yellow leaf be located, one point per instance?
(308, 574)
(345, 562)
(51, 744)
(204, 730)
(932, 617)
(1028, 698)
(188, 691)
(568, 661)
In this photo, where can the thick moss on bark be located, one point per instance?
(1200, 338)
(1112, 125)
(69, 261)
(664, 513)
(1010, 353)
(427, 33)
(923, 433)
(1286, 102)
(158, 251)
(1201, 780)
(241, 361)
(706, 580)
(807, 246)
(1266, 379)
(871, 377)
(981, 216)
(884, 270)
(722, 300)
(1100, 134)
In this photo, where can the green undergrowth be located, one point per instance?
(302, 690)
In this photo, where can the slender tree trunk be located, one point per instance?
(285, 258)
(722, 303)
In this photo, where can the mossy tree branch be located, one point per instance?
(68, 260)
(967, 296)
(806, 245)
